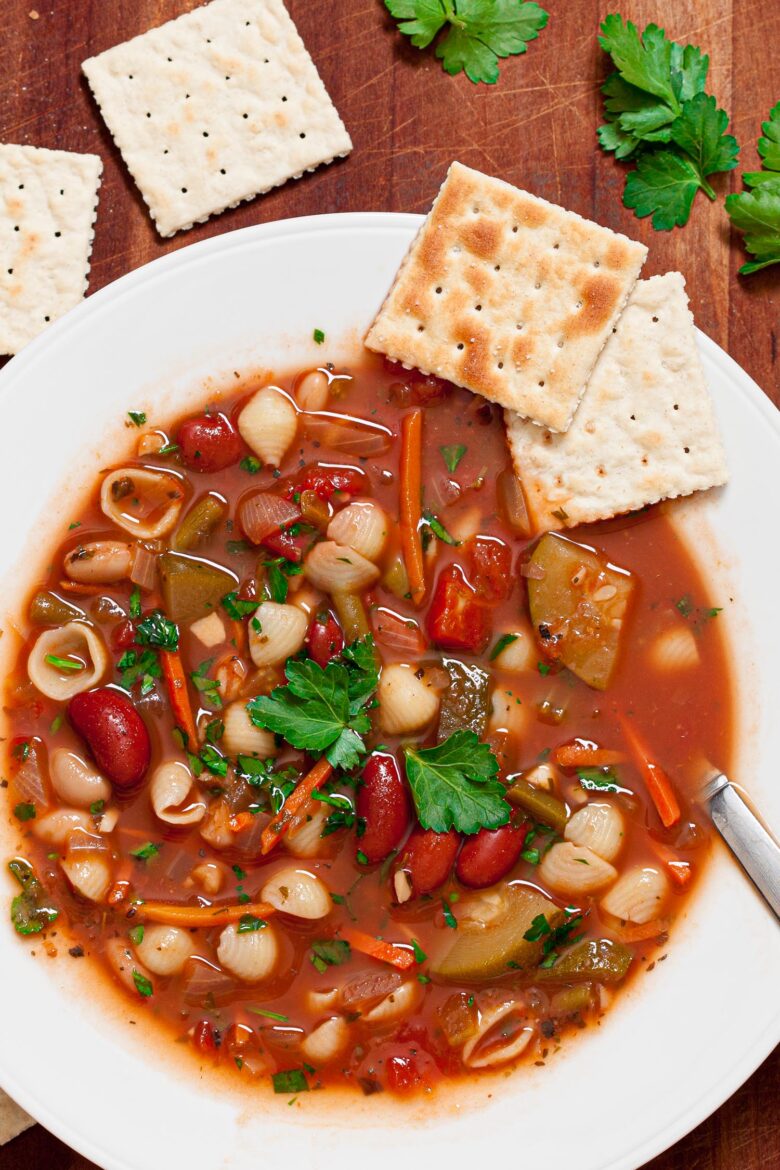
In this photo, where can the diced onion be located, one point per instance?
(144, 570)
(397, 633)
(350, 435)
(511, 503)
(261, 514)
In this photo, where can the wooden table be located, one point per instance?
(408, 120)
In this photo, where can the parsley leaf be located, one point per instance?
(321, 710)
(25, 811)
(756, 213)
(157, 630)
(145, 852)
(137, 417)
(438, 529)
(600, 780)
(30, 912)
(318, 336)
(478, 32)
(135, 666)
(251, 464)
(330, 952)
(278, 570)
(236, 607)
(293, 1080)
(142, 984)
(502, 643)
(207, 687)
(452, 456)
(455, 785)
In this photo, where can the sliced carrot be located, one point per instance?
(82, 588)
(296, 802)
(176, 914)
(658, 784)
(411, 503)
(680, 872)
(631, 933)
(241, 821)
(398, 956)
(176, 682)
(579, 755)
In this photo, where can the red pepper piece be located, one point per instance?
(490, 568)
(457, 619)
(324, 639)
(326, 481)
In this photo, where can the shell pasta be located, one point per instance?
(337, 778)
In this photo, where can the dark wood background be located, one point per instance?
(408, 120)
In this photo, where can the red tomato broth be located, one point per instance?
(673, 711)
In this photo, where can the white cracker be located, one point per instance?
(216, 107)
(508, 295)
(645, 430)
(48, 200)
(13, 1120)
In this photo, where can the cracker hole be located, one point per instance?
(148, 114)
(600, 471)
(227, 77)
(57, 235)
(644, 460)
(62, 191)
(222, 171)
(205, 133)
(478, 308)
(541, 382)
(687, 450)
(184, 190)
(129, 77)
(439, 291)
(500, 365)
(676, 406)
(170, 59)
(420, 328)
(460, 345)
(497, 268)
(556, 247)
(265, 60)
(597, 264)
(10, 271)
(633, 418)
(561, 343)
(284, 99)
(538, 285)
(515, 228)
(245, 115)
(578, 305)
(519, 325)
(475, 210)
(166, 151)
(655, 320)
(302, 134)
(16, 227)
(47, 318)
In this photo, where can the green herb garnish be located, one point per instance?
(757, 212)
(207, 687)
(142, 985)
(438, 529)
(329, 952)
(30, 912)
(291, 1081)
(248, 924)
(455, 785)
(251, 464)
(502, 643)
(145, 852)
(452, 456)
(279, 569)
(157, 630)
(137, 417)
(64, 663)
(237, 608)
(318, 336)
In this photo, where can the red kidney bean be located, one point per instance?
(429, 857)
(384, 806)
(115, 733)
(489, 855)
(208, 442)
(324, 639)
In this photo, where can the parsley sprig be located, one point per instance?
(323, 710)
(659, 114)
(756, 212)
(475, 34)
(455, 785)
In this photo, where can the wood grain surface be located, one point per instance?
(408, 120)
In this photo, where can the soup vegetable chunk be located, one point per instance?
(339, 775)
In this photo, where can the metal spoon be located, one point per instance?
(754, 848)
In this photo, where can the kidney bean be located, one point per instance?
(324, 639)
(429, 857)
(489, 855)
(115, 733)
(208, 442)
(384, 806)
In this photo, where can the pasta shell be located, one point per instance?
(268, 424)
(216, 826)
(674, 650)
(492, 1044)
(108, 821)
(144, 502)
(519, 655)
(250, 955)
(313, 390)
(56, 827)
(397, 1004)
(165, 949)
(209, 630)
(406, 703)
(325, 1042)
(124, 964)
(76, 781)
(170, 786)
(308, 841)
(362, 526)
(600, 826)
(297, 892)
(242, 738)
(100, 562)
(543, 776)
(335, 568)
(76, 642)
(281, 633)
(210, 876)
(89, 875)
(322, 999)
(575, 869)
(638, 896)
(508, 713)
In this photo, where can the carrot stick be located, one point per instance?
(377, 948)
(176, 914)
(176, 682)
(411, 503)
(656, 781)
(579, 755)
(295, 804)
(81, 588)
(632, 934)
(680, 872)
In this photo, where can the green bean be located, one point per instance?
(199, 523)
(541, 805)
(352, 614)
(47, 609)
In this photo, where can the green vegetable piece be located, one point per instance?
(484, 948)
(157, 630)
(578, 608)
(541, 805)
(599, 960)
(571, 1001)
(30, 911)
(452, 456)
(200, 522)
(47, 609)
(192, 588)
(464, 705)
(291, 1081)
(455, 785)
(331, 952)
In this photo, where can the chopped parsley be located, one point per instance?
(251, 464)
(502, 643)
(291, 1081)
(30, 912)
(449, 917)
(21, 750)
(135, 603)
(136, 934)
(544, 668)
(419, 954)
(452, 456)
(97, 807)
(142, 985)
(139, 666)
(214, 760)
(329, 952)
(278, 570)
(318, 336)
(248, 924)
(258, 1011)
(56, 723)
(207, 687)
(64, 663)
(455, 785)
(236, 607)
(438, 529)
(25, 811)
(137, 417)
(145, 852)
(600, 780)
(554, 937)
(157, 630)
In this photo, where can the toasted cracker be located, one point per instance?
(507, 295)
(48, 200)
(215, 107)
(13, 1120)
(645, 430)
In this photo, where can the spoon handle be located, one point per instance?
(751, 844)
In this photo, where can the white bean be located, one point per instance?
(100, 562)
(165, 949)
(639, 895)
(56, 827)
(406, 703)
(335, 568)
(575, 869)
(600, 826)
(298, 892)
(170, 786)
(75, 643)
(277, 633)
(250, 955)
(313, 390)
(268, 424)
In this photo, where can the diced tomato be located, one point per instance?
(204, 1037)
(123, 635)
(404, 1074)
(290, 545)
(490, 568)
(326, 481)
(457, 619)
(324, 639)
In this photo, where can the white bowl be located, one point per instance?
(676, 1045)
